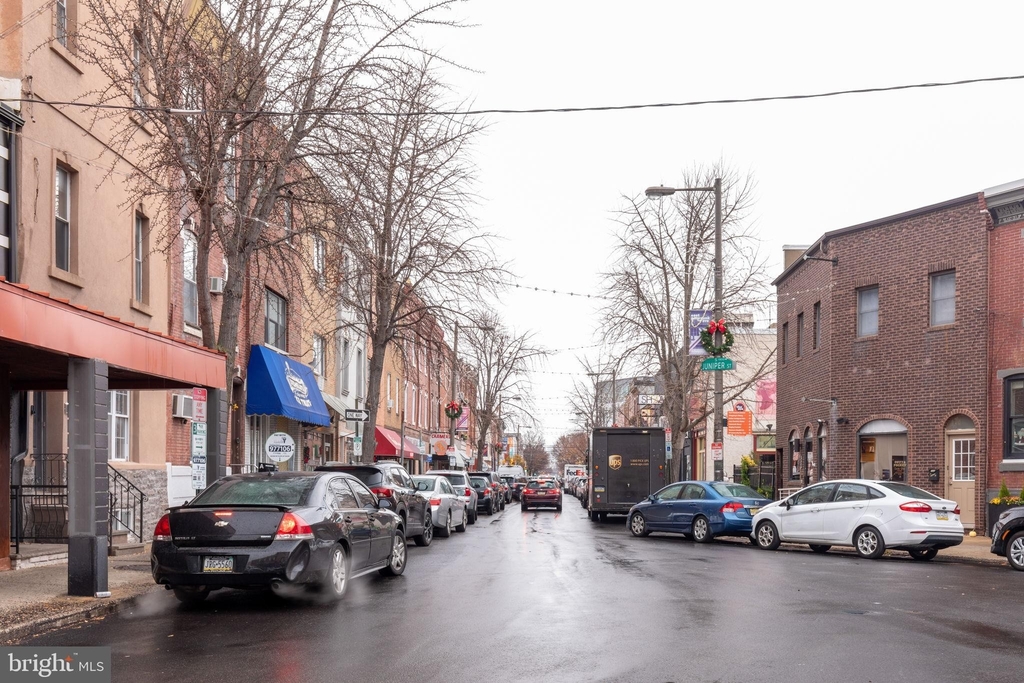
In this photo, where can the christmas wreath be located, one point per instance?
(453, 410)
(707, 338)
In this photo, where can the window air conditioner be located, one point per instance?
(181, 406)
(216, 285)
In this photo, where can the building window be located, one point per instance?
(396, 392)
(423, 408)
(867, 312)
(764, 443)
(785, 342)
(190, 291)
(61, 27)
(389, 403)
(62, 226)
(119, 421)
(141, 260)
(344, 366)
(276, 321)
(794, 455)
(1013, 407)
(319, 259)
(963, 459)
(6, 192)
(800, 335)
(943, 298)
(359, 373)
(137, 70)
(816, 331)
(318, 354)
(405, 415)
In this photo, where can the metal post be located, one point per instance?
(455, 393)
(718, 306)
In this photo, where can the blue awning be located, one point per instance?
(278, 385)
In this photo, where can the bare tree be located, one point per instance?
(592, 401)
(664, 266)
(571, 448)
(227, 98)
(415, 253)
(534, 452)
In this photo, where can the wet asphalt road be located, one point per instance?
(541, 596)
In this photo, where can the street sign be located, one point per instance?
(199, 411)
(198, 472)
(357, 415)
(280, 447)
(716, 450)
(199, 394)
(668, 444)
(198, 439)
(716, 363)
(740, 422)
(357, 447)
(650, 399)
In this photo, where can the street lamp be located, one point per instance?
(660, 191)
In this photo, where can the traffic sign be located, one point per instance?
(199, 394)
(716, 363)
(199, 411)
(716, 450)
(357, 415)
(668, 444)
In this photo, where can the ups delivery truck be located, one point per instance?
(627, 464)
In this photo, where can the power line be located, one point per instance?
(329, 111)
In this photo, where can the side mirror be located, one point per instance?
(789, 503)
(651, 497)
(383, 504)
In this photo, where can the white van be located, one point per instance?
(514, 471)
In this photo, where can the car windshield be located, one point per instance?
(478, 482)
(424, 483)
(908, 490)
(456, 479)
(735, 490)
(370, 476)
(268, 490)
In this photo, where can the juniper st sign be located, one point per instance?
(716, 363)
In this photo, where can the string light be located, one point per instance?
(564, 293)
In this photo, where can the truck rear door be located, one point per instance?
(629, 468)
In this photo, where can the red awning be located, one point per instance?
(387, 442)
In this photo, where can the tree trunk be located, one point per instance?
(374, 374)
(231, 306)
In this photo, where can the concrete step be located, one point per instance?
(127, 549)
(41, 560)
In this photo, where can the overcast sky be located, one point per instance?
(549, 183)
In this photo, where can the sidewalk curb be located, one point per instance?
(993, 561)
(35, 627)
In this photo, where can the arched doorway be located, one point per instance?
(809, 469)
(883, 450)
(822, 452)
(961, 446)
(794, 456)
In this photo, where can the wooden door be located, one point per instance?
(960, 471)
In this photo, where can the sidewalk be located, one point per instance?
(35, 600)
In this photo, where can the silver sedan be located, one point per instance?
(462, 486)
(447, 508)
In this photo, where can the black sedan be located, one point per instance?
(316, 529)
(1008, 537)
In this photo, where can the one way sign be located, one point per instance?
(357, 415)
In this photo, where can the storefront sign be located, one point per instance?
(280, 447)
(650, 399)
(716, 450)
(439, 443)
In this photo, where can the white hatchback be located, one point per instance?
(869, 515)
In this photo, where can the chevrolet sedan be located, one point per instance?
(869, 515)
(699, 509)
(314, 529)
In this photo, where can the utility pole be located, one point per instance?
(718, 308)
(455, 393)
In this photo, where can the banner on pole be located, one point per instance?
(699, 320)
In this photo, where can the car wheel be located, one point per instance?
(336, 580)
(820, 549)
(472, 516)
(399, 555)
(1015, 551)
(923, 554)
(638, 525)
(427, 536)
(593, 516)
(524, 507)
(191, 595)
(558, 508)
(701, 530)
(502, 504)
(868, 543)
(767, 536)
(446, 530)
(465, 520)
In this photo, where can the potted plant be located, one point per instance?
(1001, 503)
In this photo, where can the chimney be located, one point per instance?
(792, 252)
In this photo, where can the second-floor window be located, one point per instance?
(190, 290)
(867, 312)
(816, 332)
(943, 298)
(785, 343)
(61, 28)
(800, 335)
(359, 373)
(318, 354)
(137, 71)
(344, 365)
(276, 321)
(62, 220)
(319, 259)
(389, 404)
(140, 261)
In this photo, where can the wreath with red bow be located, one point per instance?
(453, 410)
(707, 338)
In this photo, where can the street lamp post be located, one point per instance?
(660, 191)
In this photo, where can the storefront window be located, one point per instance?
(809, 455)
(794, 455)
(1015, 416)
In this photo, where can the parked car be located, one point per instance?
(517, 487)
(460, 482)
(496, 484)
(582, 490)
(869, 515)
(699, 509)
(508, 482)
(320, 530)
(447, 509)
(542, 492)
(390, 480)
(1008, 537)
(487, 500)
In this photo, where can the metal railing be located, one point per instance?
(126, 506)
(39, 514)
(50, 468)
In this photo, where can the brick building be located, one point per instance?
(898, 341)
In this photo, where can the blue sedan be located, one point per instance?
(699, 509)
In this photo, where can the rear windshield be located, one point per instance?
(263, 491)
(735, 490)
(424, 483)
(508, 480)
(478, 482)
(457, 479)
(370, 476)
(541, 485)
(907, 490)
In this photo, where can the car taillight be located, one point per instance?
(527, 490)
(294, 527)
(468, 492)
(956, 510)
(163, 529)
(487, 490)
(434, 502)
(382, 492)
(731, 507)
(916, 506)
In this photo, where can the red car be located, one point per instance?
(542, 492)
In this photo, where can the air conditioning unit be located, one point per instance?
(216, 285)
(181, 406)
(238, 371)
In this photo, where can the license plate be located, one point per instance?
(753, 511)
(218, 563)
(942, 516)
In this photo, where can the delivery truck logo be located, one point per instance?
(615, 461)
